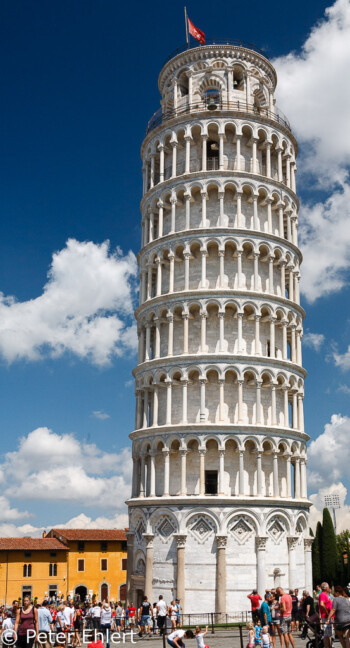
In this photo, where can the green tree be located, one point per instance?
(343, 540)
(329, 549)
(316, 555)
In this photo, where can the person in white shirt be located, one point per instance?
(68, 615)
(7, 631)
(106, 620)
(200, 637)
(175, 639)
(96, 616)
(161, 614)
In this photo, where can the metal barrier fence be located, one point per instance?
(216, 618)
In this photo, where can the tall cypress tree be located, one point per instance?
(316, 555)
(329, 549)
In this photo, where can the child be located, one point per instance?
(266, 639)
(258, 632)
(200, 637)
(251, 635)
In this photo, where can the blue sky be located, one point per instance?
(78, 85)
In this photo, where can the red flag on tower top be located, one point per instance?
(195, 32)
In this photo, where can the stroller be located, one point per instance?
(313, 632)
(316, 637)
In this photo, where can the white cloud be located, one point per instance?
(342, 515)
(344, 388)
(313, 340)
(313, 90)
(100, 415)
(342, 360)
(81, 521)
(329, 454)
(9, 514)
(85, 308)
(51, 467)
(10, 530)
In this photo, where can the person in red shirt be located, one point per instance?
(255, 599)
(286, 605)
(325, 606)
(132, 613)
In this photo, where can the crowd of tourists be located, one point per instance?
(275, 617)
(325, 613)
(66, 621)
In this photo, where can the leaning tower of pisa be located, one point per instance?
(219, 499)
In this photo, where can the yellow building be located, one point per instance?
(64, 562)
(34, 566)
(96, 562)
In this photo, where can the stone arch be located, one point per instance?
(239, 514)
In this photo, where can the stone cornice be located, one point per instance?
(218, 500)
(219, 232)
(218, 293)
(220, 359)
(206, 428)
(212, 175)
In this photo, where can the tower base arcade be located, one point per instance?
(212, 555)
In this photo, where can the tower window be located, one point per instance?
(81, 545)
(81, 565)
(104, 564)
(104, 545)
(211, 482)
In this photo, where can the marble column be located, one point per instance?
(221, 542)
(202, 452)
(152, 488)
(260, 543)
(166, 453)
(221, 471)
(130, 566)
(183, 487)
(180, 571)
(259, 473)
(275, 475)
(308, 563)
(293, 573)
(185, 318)
(149, 565)
(303, 482)
(241, 472)
(297, 478)
(184, 382)
(289, 475)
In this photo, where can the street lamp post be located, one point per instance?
(332, 502)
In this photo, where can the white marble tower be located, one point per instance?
(219, 499)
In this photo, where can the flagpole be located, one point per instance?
(186, 25)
